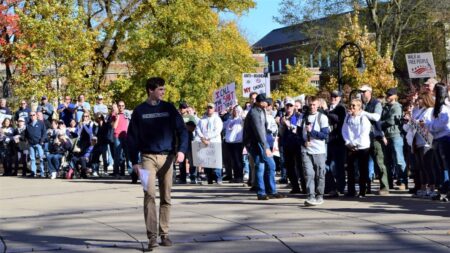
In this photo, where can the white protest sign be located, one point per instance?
(255, 82)
(207, 156)
(420, 65)
(225, 97)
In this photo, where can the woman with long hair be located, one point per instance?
(439, 127)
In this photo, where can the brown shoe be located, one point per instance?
(165, 241)
(402, 187)
(152, 243)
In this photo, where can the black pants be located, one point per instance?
(362, 156)
(237, 159)
(293, 164)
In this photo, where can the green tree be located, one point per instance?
(379, 70)
(295, 82)
(56, 50)
(112, 20)
(185, 42)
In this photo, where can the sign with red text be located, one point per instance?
(225, 97)
(256, 82)
(420, 65)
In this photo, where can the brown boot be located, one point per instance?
(165, 241)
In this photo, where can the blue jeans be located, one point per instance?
(121, 156)
(40, 153)
(213, 174)
(264, 171)
(397, 159)
(54, 161)
(246, 164)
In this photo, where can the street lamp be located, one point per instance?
(361, 66)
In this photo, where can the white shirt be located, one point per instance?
(210, 128)
(356, 131)
(233, 130)
(317, 146)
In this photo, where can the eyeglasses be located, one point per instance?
(32, 114)
(289, 105)
(353, 105)
(209, 107)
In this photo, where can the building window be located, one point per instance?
(273, 66)
(295, 60)
(280, 65)
(287, 61)
(266, 59)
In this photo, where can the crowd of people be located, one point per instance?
(325, 148)
(74, 139)
(318, 147)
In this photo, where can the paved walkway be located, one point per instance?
(42, 215)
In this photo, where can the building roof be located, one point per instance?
(280, 36)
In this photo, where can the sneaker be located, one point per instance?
(311, 201)
(152, 243)
(53, 175)
(402, 187)
(319, 200)
(246, 177)
(276, 196)
(95, 174)
(435, 195)
(263, 197)
(383, 192)
(165, 241)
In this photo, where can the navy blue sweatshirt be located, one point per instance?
(35, 134)
(153, 129)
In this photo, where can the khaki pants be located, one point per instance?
(158, 166)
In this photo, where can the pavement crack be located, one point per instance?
(246, 225)
(121, 230)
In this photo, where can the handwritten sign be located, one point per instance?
(420, 65)
(225, 97)
(207, 156)
(255, 82)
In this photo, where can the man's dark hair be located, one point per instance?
(253, 93)
(154, 82)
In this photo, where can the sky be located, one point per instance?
(257, 22)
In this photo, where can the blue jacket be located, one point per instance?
(35, 133)
(155, 129)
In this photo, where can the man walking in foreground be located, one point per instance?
(153, 129)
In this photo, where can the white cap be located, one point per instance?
(365, 87)
(289, 101)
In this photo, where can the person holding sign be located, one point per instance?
(209, 130)
(152, 130)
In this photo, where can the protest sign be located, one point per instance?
(420, 65)
(225, 97)
(207, 156)
(255, 82)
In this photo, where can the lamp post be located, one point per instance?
(361, 65)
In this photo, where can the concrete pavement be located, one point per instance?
(105, 215)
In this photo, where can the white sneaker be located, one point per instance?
(311, 202)
(319, 200)
(246, 177)
(53, 175)
(95, 174)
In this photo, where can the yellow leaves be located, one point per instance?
(295, 82)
